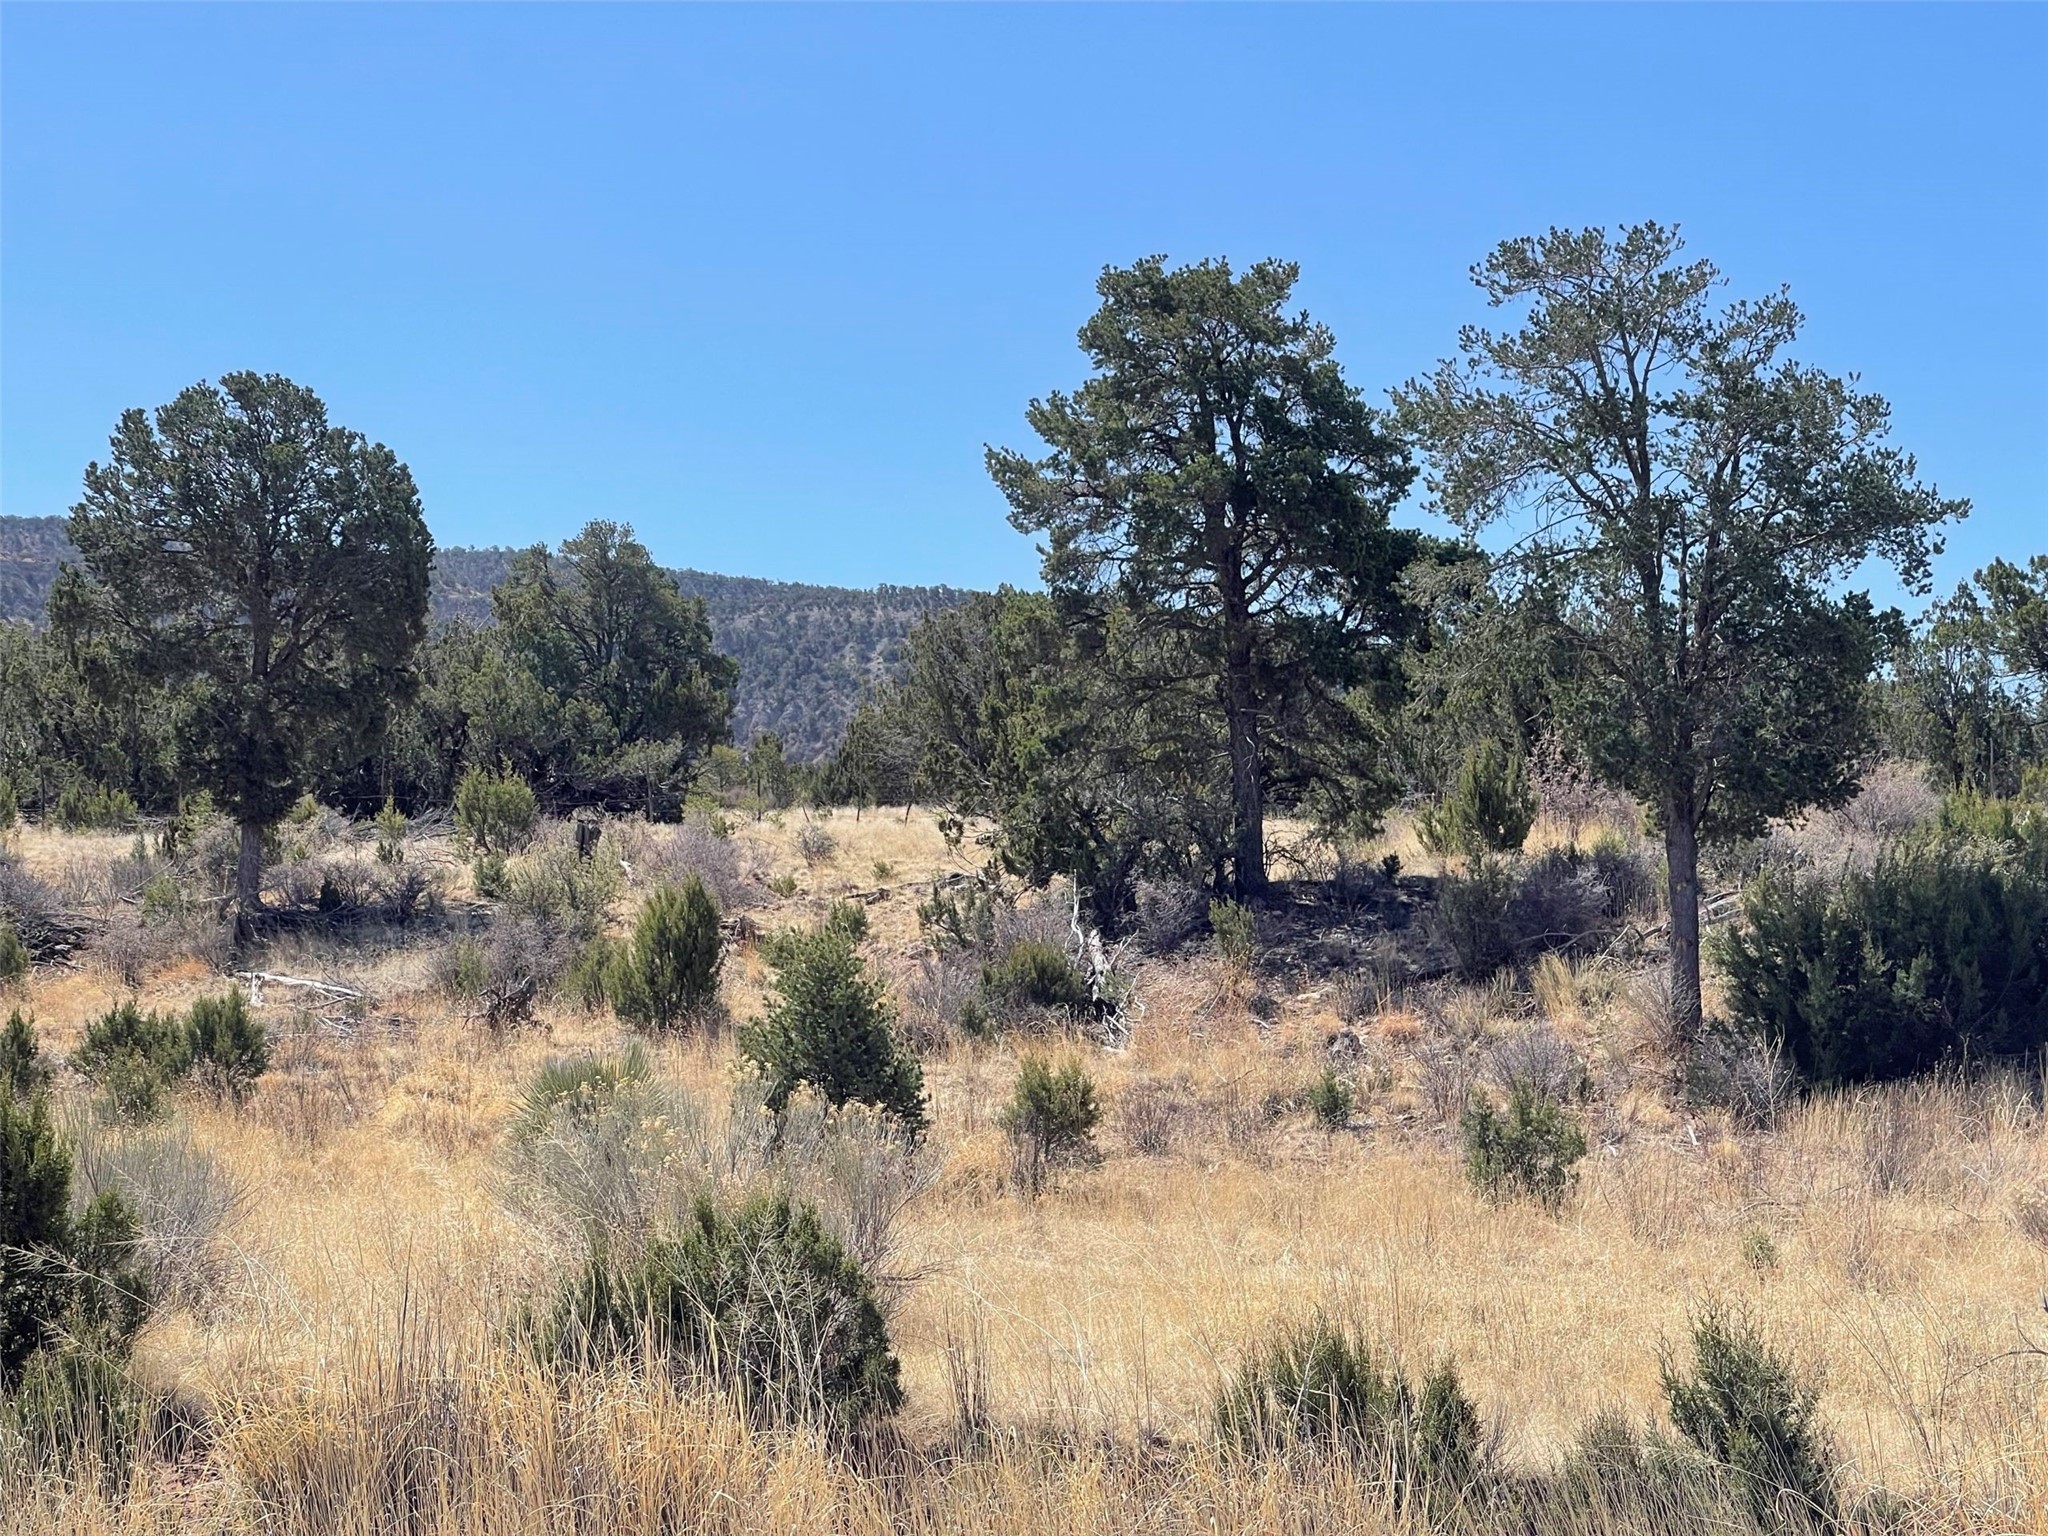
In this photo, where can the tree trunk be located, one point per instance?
(1682, 865)
(1241, 719)
(248, 880)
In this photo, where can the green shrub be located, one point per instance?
(94, 808)
(495, 812)
(758, 1300)
(75, 1413)
(391, 825)
(667, 974)
(1331, 1101)
(1051, 1118)
(1938, 953)
(1532, 1152)
(592, 975)
(1744, 1406)
(1318, 1385)
(829, 1026)
(489, 874)
(23, 1072)
(135, 1059)
(10, 806)
(1488, 811)
(1236, 934)
(61, 1277)
(1034, 974)
(959, 917)
(783, 886)
(229, 1049)
(1472, 908)
(847, 919)
(14, 955)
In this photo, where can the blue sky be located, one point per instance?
(763, 282)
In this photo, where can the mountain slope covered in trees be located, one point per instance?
(806, 653)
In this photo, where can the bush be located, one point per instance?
(1744, 1406)
(1318, 1385)
(592, 1151)
(1235, 932)
(135, 1059)
(495, 812)
(555, 887)
(10, 806)
(23, 1072)
(60, 1276)
(1472, 911)
(1033, 974)
(1488, 811)
(391, 825)
(758, 1300)
(94, 808)
(502, 974)
(1938, 953)
(14, 955)
(1532, 1152)
(667, 974)
(815, 845)
(228, 1048)
(183, 1200)
(830, 1027)
(1051, 1119)
(1331, 1101)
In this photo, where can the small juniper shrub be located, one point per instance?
(1331, 1100)
(1932, 955)
(23, 1072)
(784, 885)
(1032, 977)
(14, 956)
(1489, 810)
(755, 1299)
(70, 1306)
(135, 1059)
(829, 1025)
(94, 808)
(848, 920)
(1235, 933)
(589, 977)
(1530, 1153)
(1317, 1385)
(228, 1047)
(1051, 1119)
(1746, 1408)
(391, 825)
(495, 812)
(666, 976)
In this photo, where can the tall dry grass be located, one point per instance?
(348, 1368)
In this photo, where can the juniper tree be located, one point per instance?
(264, 566)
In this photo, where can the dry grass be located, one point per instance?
(354, 1374)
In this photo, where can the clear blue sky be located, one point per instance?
(763, 282)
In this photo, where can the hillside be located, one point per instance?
(805, 652)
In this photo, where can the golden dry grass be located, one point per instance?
(1893, 1240)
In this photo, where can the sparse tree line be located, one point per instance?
(1659, 512)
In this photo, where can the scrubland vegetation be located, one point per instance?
(1298, 1026)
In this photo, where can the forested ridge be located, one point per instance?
(806, 653)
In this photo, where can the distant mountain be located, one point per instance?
(806, 653)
